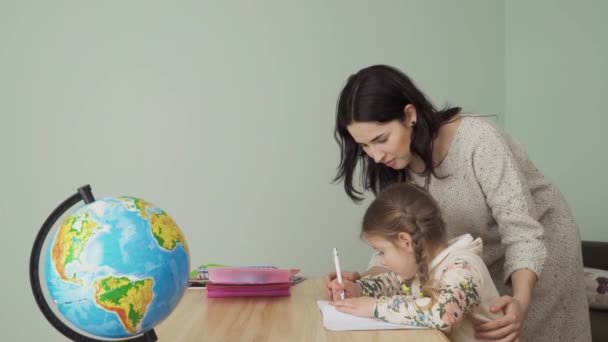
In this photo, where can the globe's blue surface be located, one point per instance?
(117, 267)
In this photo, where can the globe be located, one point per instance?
(116, 267)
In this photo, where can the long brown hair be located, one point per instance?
(379, 93)
(404, 207)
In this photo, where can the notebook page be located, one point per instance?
(335, 320)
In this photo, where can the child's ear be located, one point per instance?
(404, 239)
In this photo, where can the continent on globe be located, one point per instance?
(70, 241)
(129, 299)
(166, 232)
(137, 205)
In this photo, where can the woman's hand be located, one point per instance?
(352, 276)
(507, 328)
(351, 289)
(362, 306)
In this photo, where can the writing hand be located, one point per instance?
(361, 306)
(329, 277)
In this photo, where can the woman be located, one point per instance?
(485, 185)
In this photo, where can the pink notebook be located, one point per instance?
(250, 275)
(258, 290)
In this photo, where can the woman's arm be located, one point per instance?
(510, 199)
(523, 282)
(508, 328)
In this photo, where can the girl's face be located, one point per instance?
(388, 142)
(397, 255)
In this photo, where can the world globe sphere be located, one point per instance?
(115, 268)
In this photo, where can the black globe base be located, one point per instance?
(84, 194)
(148, 336)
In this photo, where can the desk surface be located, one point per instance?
(294, 318)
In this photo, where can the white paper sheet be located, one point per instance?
(335, 320)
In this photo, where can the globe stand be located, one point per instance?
(84, 193)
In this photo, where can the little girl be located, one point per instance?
(432, 282)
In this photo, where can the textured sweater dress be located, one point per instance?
(488, 187)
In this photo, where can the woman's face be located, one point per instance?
(388, 142)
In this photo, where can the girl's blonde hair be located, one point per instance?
(404, 207)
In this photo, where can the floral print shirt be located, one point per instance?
(457, 293)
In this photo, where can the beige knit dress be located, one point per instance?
(493, 191)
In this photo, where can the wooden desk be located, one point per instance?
(294, 318)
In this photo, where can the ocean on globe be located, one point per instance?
(117, 267)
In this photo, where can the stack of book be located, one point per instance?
(250, 281)
(200, 276)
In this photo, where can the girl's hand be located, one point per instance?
(351, 289)
(362, 306)
(329, 277)
(507, 328)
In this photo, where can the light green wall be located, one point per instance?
(556, 90)
(221, 114)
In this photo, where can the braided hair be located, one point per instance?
(404, 207)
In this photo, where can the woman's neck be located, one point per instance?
(440, 147)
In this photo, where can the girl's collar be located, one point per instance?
(457, 243)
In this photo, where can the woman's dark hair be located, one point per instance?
(380, 93)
